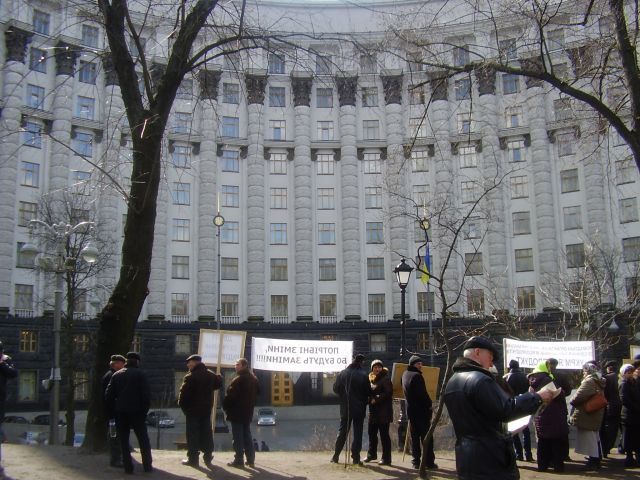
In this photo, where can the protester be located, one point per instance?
(419, 412)
(478, 408)
(115, 451)
(630, 414)
(352, 387)
(588, 424)
(517, 380)
(611, 421)
(380, 412)
(238, 404)
(552, 430)
(256, 446)
(196, 401)
(128, 398)
(263, 446)
(7, 372)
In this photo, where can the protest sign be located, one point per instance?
(430, 375)
(232, 346)
(570, 355)
(300, 355)
(633, 351)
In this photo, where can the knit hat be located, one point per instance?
(414, 359)
(133, 356)
(625, 368)
(376, 362)
(514, 364)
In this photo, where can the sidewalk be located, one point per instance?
(22, 462)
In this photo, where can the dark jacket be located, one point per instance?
(612, 394)
(7, 371)
(588, 388)
(381, 400)
(240, 397)
(478, 407)
(352, 386)
(419, 404)
(128, 391)
(552, 420)
(630, 396)
(517, 380)
(106, 379)
(196, 391)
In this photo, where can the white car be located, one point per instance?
(266, 416)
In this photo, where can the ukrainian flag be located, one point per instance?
(426, 274)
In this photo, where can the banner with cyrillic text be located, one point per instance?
(300, 355)
(570, 355)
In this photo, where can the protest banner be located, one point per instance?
(570, 355)
(232, 346)
(430, 375)
(633, 351)
(300, 355)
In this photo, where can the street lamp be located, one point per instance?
(58, 263)
(403, 273)
(218, 221)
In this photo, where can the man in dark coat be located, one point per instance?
(128, 398)
(380, 412)
(478, 408)
(611, 420)
(419, 411)
(352, 386)
(115, 452)
(196, 401)
(238, 404)
(517, 380)
(7, 372)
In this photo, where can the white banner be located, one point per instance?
(232, 346)
(300, 355)
(570, 355)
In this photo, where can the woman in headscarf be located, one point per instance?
(552, 430)
(588, 424)
(630, 415)
(380, 412)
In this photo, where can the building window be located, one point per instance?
(376, 304)
(521, 223)
(181, 156)
(508, 48)
(276, 64)
(181, 122)
(230, 196)
(279, 198)
(30, 174)
(373, 197)
(420, 160)
(136, 343)
(279, 270)
(420, 194)
(510, 83)
(183, 344)
(324, 97)
(323, 64)
(278, 129)
(28, 341)
(631, 249)
(279, 306)
(475, 300)
(524, 260)
(468, 157)
(562, 109)
(180, 304)
(278, 233)
(230, 232)
(377, 342)
(231, 93)
(27, 386)
(423, 341)
(374, 232)
(38, 60)
(85, 108)
(41, 22)
(327, 269)
(472, 230)
(181, 230)
(469, 191)
(87, 72)
(569, 180)
(24, 260)
(82, 144)
(229, 305)
(326, 234)
(515, 149)
(575, 255)
(229, 268)
(461, 56)
(231, 161)
(418, 127)
(371, 129)
(35, 97)
(232, 61)
(27, 211)
(81, 342)
(185, 89)
(278, 164)
(513, 117)
(555, 40)
(463, 89)
(632, 287)
(625, 171)
(230, 127)
(368, 63)
(277, 97)
(426, 302)
(526, 297)
(369, 96)
(473, 263)
(328, 305)
(565, 143)
(416, 95)
(628, 208)
(325, 130)
(32, 136)
(326, 199)
(325, 164)
(372, 163)
(464, 123)
(81, 385)
(415, 62)
(572, 217)
(181, 193)
(375, 268)
(179, 266)
(519, 187)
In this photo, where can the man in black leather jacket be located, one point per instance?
(478, 408)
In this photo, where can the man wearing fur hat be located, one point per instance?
(380, 412)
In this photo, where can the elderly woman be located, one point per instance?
(380, 412)
(630, 415)
(588, 424)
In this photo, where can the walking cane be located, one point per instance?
(406, 440)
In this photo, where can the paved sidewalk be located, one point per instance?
(23, 462)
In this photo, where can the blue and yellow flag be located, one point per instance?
(426, 267)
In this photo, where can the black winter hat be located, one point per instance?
(482, 342)
(514, 364)
(133, 356)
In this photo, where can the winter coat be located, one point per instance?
(7, 371)
(612, 394)
(630, 396)
(590, 385)
(240, 397)
(352, 386)
(478, 408)
(552, 420)
(196, 392)
(381, 400)
(128, 392)
(517, 380)
(419, 404)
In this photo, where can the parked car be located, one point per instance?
(221, 424)
(44, 419)
(266, 416)
(14, 419)
(160, 419)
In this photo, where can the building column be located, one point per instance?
(16, 42)
(598, 221)
(303, 171)
(349, 169)
(256, 248)
(206, 256)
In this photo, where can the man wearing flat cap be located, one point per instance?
(115, 453)
(352, 386)
(479, 409)
(196, 401)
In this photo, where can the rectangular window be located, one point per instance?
(368, 63)
(324, 97)
(28, 341)
(420, 160)
(376, 304)
(375, 268)
(575, 255)
(27, 386)
(231, 161)
(473, 263)
(82, 144)
(426, 302)
(519, 187)
(32, 135)
(555, 40)
(27, 211)
(475, 300)
(325, 131)
(181, 156)
(81, 385)
(278, 197)
(229, 268)
(515, 149)
(569, 180)
(279, 306)
(513, 117)
(277, 97)
(327, 269)
(416, 95)
(230, 127)
(23, 297)
(572, 217)
(326, 234)
(30, 174)
(461, 56)
(231, 93)
(278, 164)
(415, 61)
(278, 129)
(374, 232)
(371, 129)
(88, 72)
(229, 305)
(325, 164)
(180, 304)
(230, 196)
(468, 157)
(38, 60)
(90, 36)
(562, 109)
(81, 342)
(418, 127)
(181, 122)
(508, 48)
(369, 96)
(279, 271)
(628, 208)
(183, 344)
(372, 163)
(566, 144)
(464, 123)
(521, 223)
(377, 341)
(41, 22)
(24, 260)
(472, 229)
(230, 232)
(373, 197)
(326, 199)
(510, 83)
(80, 182)
(524, 260)
(323, 64)
(276, 64)
(179, 267)
(232, 61)
(85, 108)
(181, 193)
(420, 193)
(625, 171)
(463, 89)
(631, 249)
(526, 297)
(181, 230)
(278, 233)
(469, 191)
(35, 97)
(328, 305)
(632, 287)
(185, 90)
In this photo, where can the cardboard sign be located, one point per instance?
(431, 376)
(232, 346)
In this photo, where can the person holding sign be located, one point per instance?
(478, 408)
(380, 412)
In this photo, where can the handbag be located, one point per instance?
(595, 403)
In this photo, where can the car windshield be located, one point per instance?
(265, 411)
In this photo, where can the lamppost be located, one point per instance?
(58, 262)
(403, 273)
(218, 221)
